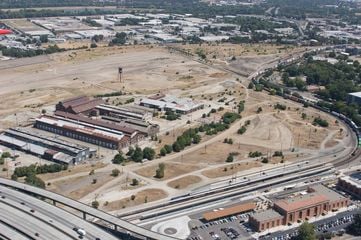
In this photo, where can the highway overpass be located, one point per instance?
(85, 209)
(23, 216)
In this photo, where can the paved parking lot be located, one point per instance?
(225, 228)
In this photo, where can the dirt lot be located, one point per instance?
(171, 170)
(146, 70)
(79, 187)
(184, 182)
(230, 169)
(144, 196)
(241, 57)
(217, 153)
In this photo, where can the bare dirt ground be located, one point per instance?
(32, 85)
(241, 57)
(141, 197)
(172, 170)
(216, 153)
(184, 182)
(78, 187)
(146, 69)
(230, 169)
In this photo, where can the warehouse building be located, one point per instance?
(86, 132)
(317, 200)
(146, 128)
(79, 105)
(123, 112)
(131, 133)
(50, 148)
(171, 103)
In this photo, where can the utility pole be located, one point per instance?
(120, 74)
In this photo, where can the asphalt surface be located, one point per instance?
(37, 219)
(124, 225)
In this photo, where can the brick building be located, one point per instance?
(77, 105)
(89, 133)
(318, 200)
(265, 220)
(301, 207)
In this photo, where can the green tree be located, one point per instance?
(148, 153)
(95, 204)
(197, 139)
(137, 155)
(118, 158)
(230, 158)
(163, 152)
(168, 148)
(130, 151)
(306, 232)
(115, 172)
(159, 173)
(6, 155)
(135, 182)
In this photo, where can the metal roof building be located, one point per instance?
(49, 148)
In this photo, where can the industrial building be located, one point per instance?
(124, 112)
(88, 130)
(162, 102)
(351, 184)
(133, 134)
(146, 128)
(129, 117)
(79, 105)
(316, 201)
(49, 148)
(354, 98)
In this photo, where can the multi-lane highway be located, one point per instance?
(25, 217)
(85, 209)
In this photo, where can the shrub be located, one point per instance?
(95, 204)
(115, 172)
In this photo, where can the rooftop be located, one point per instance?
(245, 207)
(300, 202)
(355, 94)
(354, 179)
(88, 129)
(330, 194)
(266, 215)
(81, 120)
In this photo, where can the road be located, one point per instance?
(30, 216)
(114, 221)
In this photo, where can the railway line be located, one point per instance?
(244, 186)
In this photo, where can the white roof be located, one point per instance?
(356, 94)
(173, 102)
(214, 38)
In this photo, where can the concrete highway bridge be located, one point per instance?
(7, 192)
